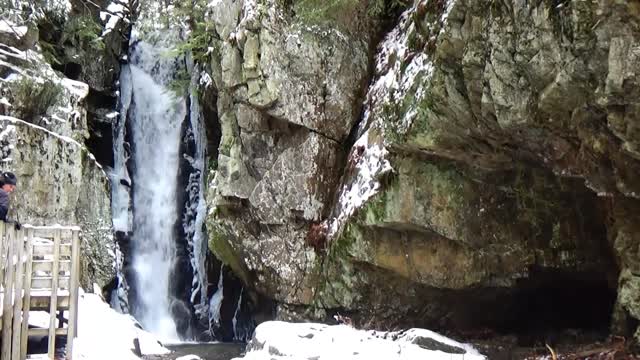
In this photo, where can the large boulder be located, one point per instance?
(494, 165)
(504, 144)
(288, 90)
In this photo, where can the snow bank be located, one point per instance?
(105, 334)
(279, 340)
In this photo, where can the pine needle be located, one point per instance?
(554, 356)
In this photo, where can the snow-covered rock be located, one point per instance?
(106, 334)
(280, 340)
(189, 357)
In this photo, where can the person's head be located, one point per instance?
(9, 181)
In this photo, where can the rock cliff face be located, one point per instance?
(492, 163)
(289, 91)
(453, 164)
(48, 124)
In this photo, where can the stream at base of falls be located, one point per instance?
(206, 351)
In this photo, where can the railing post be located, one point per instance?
(7, 304)
(73, 291)
(27, 295)
(3, 252)
(17, 297)
(53, 306)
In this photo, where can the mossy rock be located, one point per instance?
(219, 245)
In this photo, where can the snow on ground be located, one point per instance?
(275, 340)
(106, 334)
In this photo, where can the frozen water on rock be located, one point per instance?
(216, 302)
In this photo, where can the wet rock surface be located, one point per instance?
(493, 162)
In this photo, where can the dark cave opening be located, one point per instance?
(100, 142)
(550, 304)
(208, 104)
(547, 305)
(71, 70)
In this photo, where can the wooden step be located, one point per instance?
(47, 250)
(43, 302)
(44, 282)
(45, 332)
(47, 265)
(40, 300)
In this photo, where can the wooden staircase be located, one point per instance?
(39, 270)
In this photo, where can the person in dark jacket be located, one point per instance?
(8, 182)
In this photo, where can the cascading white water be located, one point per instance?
(155, 117)
(158, 200)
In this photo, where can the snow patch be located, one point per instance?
(370, 165)
(275, 340)
(77, 88)
(114, 12)
(105, 334)
(445, 14)
(189, 357)
(205, 79)
(400, 73)
(9, 27)
(7, 131)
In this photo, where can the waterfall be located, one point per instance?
(158, 202)
(155, 117)
(120, 174)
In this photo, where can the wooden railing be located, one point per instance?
(39, 270)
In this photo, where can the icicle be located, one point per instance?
(235, 317)
(119, 193)
(215, 303)
(197, 242)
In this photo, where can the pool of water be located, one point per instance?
(207, 351)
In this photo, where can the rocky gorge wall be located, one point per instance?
(57, 92)
(453, 164)
(475, 168)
